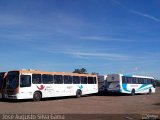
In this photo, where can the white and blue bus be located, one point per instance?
(130, 84)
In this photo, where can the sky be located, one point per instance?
(102, 36)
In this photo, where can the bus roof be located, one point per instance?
(129, 75)
(53, 73)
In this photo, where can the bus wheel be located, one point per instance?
(133, 92)
(37, 96)
(78, 93)
(150, 91)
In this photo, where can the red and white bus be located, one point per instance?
(33, 84)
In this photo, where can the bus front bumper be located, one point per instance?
(11, 96)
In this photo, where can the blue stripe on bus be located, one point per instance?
(124, 86)
(144, 85)
(142, 88)
(127, 75)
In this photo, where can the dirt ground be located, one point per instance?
(96, 105)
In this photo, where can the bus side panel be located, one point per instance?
(89, 88)
(139, 88)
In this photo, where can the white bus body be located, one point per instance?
(27, 84)
(130, 84)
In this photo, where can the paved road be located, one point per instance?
(92, 104)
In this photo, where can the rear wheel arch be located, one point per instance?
(150, 91)
(78, 93)
(133, 92)
(37, 96)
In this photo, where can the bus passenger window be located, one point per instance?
(36, 78)
(58, 79)
(25, 81)
(67, 79)
(76, 80)
(94, 79)
(124, 79)
(90, 80)
(134, 80)
(47, 79)
(84, 80)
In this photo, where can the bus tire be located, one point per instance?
(37, 96)
(78, 93)
(150, 91)
(133, 92)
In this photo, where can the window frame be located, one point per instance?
(74, 79)
(30, 83)
(61, 80)
(40, 76)
(90, 80)
(84, 79)
(49, 79)
(68, 79)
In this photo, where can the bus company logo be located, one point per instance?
(69, 87)
(41, 87)
(80, 87)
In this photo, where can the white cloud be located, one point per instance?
(105, 38)
(145, 15)
(137, 12)
(100, 38)
(106, 56)
(84, 53)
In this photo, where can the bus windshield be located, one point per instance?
(12, 80)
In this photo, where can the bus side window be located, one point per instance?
(149, 81)
(95, 80)
(58, 79)
(67, 79)
(124, 80)
(36, 78)
(76, 80)
(83, 80)
(153, 83)
(25, 81)
(145, 81)
(47, 79)
(134, 80)
(129, 80)
(90, 80)
(137, 81)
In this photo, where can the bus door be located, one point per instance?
(25, 86)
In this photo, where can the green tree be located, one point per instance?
(80, 71)
(94, 73)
